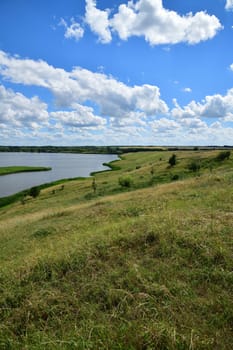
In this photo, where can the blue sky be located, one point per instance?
(142, 72)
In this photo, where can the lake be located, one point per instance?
(63, 166)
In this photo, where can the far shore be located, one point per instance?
(21, 169)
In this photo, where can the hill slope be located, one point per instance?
(147, 268)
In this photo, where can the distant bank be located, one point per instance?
(20, 169)
(106, 149)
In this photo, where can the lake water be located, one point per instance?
(63, 166)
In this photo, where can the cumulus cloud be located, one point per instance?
(113, 98)
(215, 106)
(149, 19)
(17, 110)
(96, 106)
(231, 67)
(178, 128)
(79, 117)
(98, 21)
(165, 125)
(229, 5)
(137, 119)
(74, 31)
(28, 72)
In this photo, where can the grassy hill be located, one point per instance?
(142, 259)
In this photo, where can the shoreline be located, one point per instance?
(7, 200)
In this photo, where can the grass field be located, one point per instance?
(20, 169)
(142, 259)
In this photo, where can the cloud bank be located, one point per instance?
(149, 19)
(215, 106)
(97, 108)
(113, 97)
(19, 111)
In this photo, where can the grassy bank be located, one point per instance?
(20, 169)
(17, 197)
(144, 266)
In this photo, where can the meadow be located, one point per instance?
(140, 257)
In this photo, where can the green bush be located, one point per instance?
(34, 192)
(175, 177)
(172, 160)
(125, 181)
(194, 166)
(223, 155)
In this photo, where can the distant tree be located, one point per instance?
(172, 160)
(34, 192)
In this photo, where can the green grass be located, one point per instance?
(20, 169)
(143, 267)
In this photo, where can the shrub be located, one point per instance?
(194, 166)
(34, 192)
(175, 177)
(43, 232)
(125, 181)
(223, 155)
(172, 160)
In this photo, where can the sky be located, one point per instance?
(98, 72)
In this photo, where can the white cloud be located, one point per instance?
(74, 31)
(193, 124)
(29, 72)
(215, 106)
(231, 67)
(164, 125)
(80, 117)
(137, 119)
(180, 131)
(98, 21)
(229, 5)
(149, 19)
(116, 113)
(17, 110)
(113, 98)
(187, 89)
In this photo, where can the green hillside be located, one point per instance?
(136, 258)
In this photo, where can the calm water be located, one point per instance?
(63, 166)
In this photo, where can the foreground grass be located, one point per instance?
(146, 269)
(20, 169)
